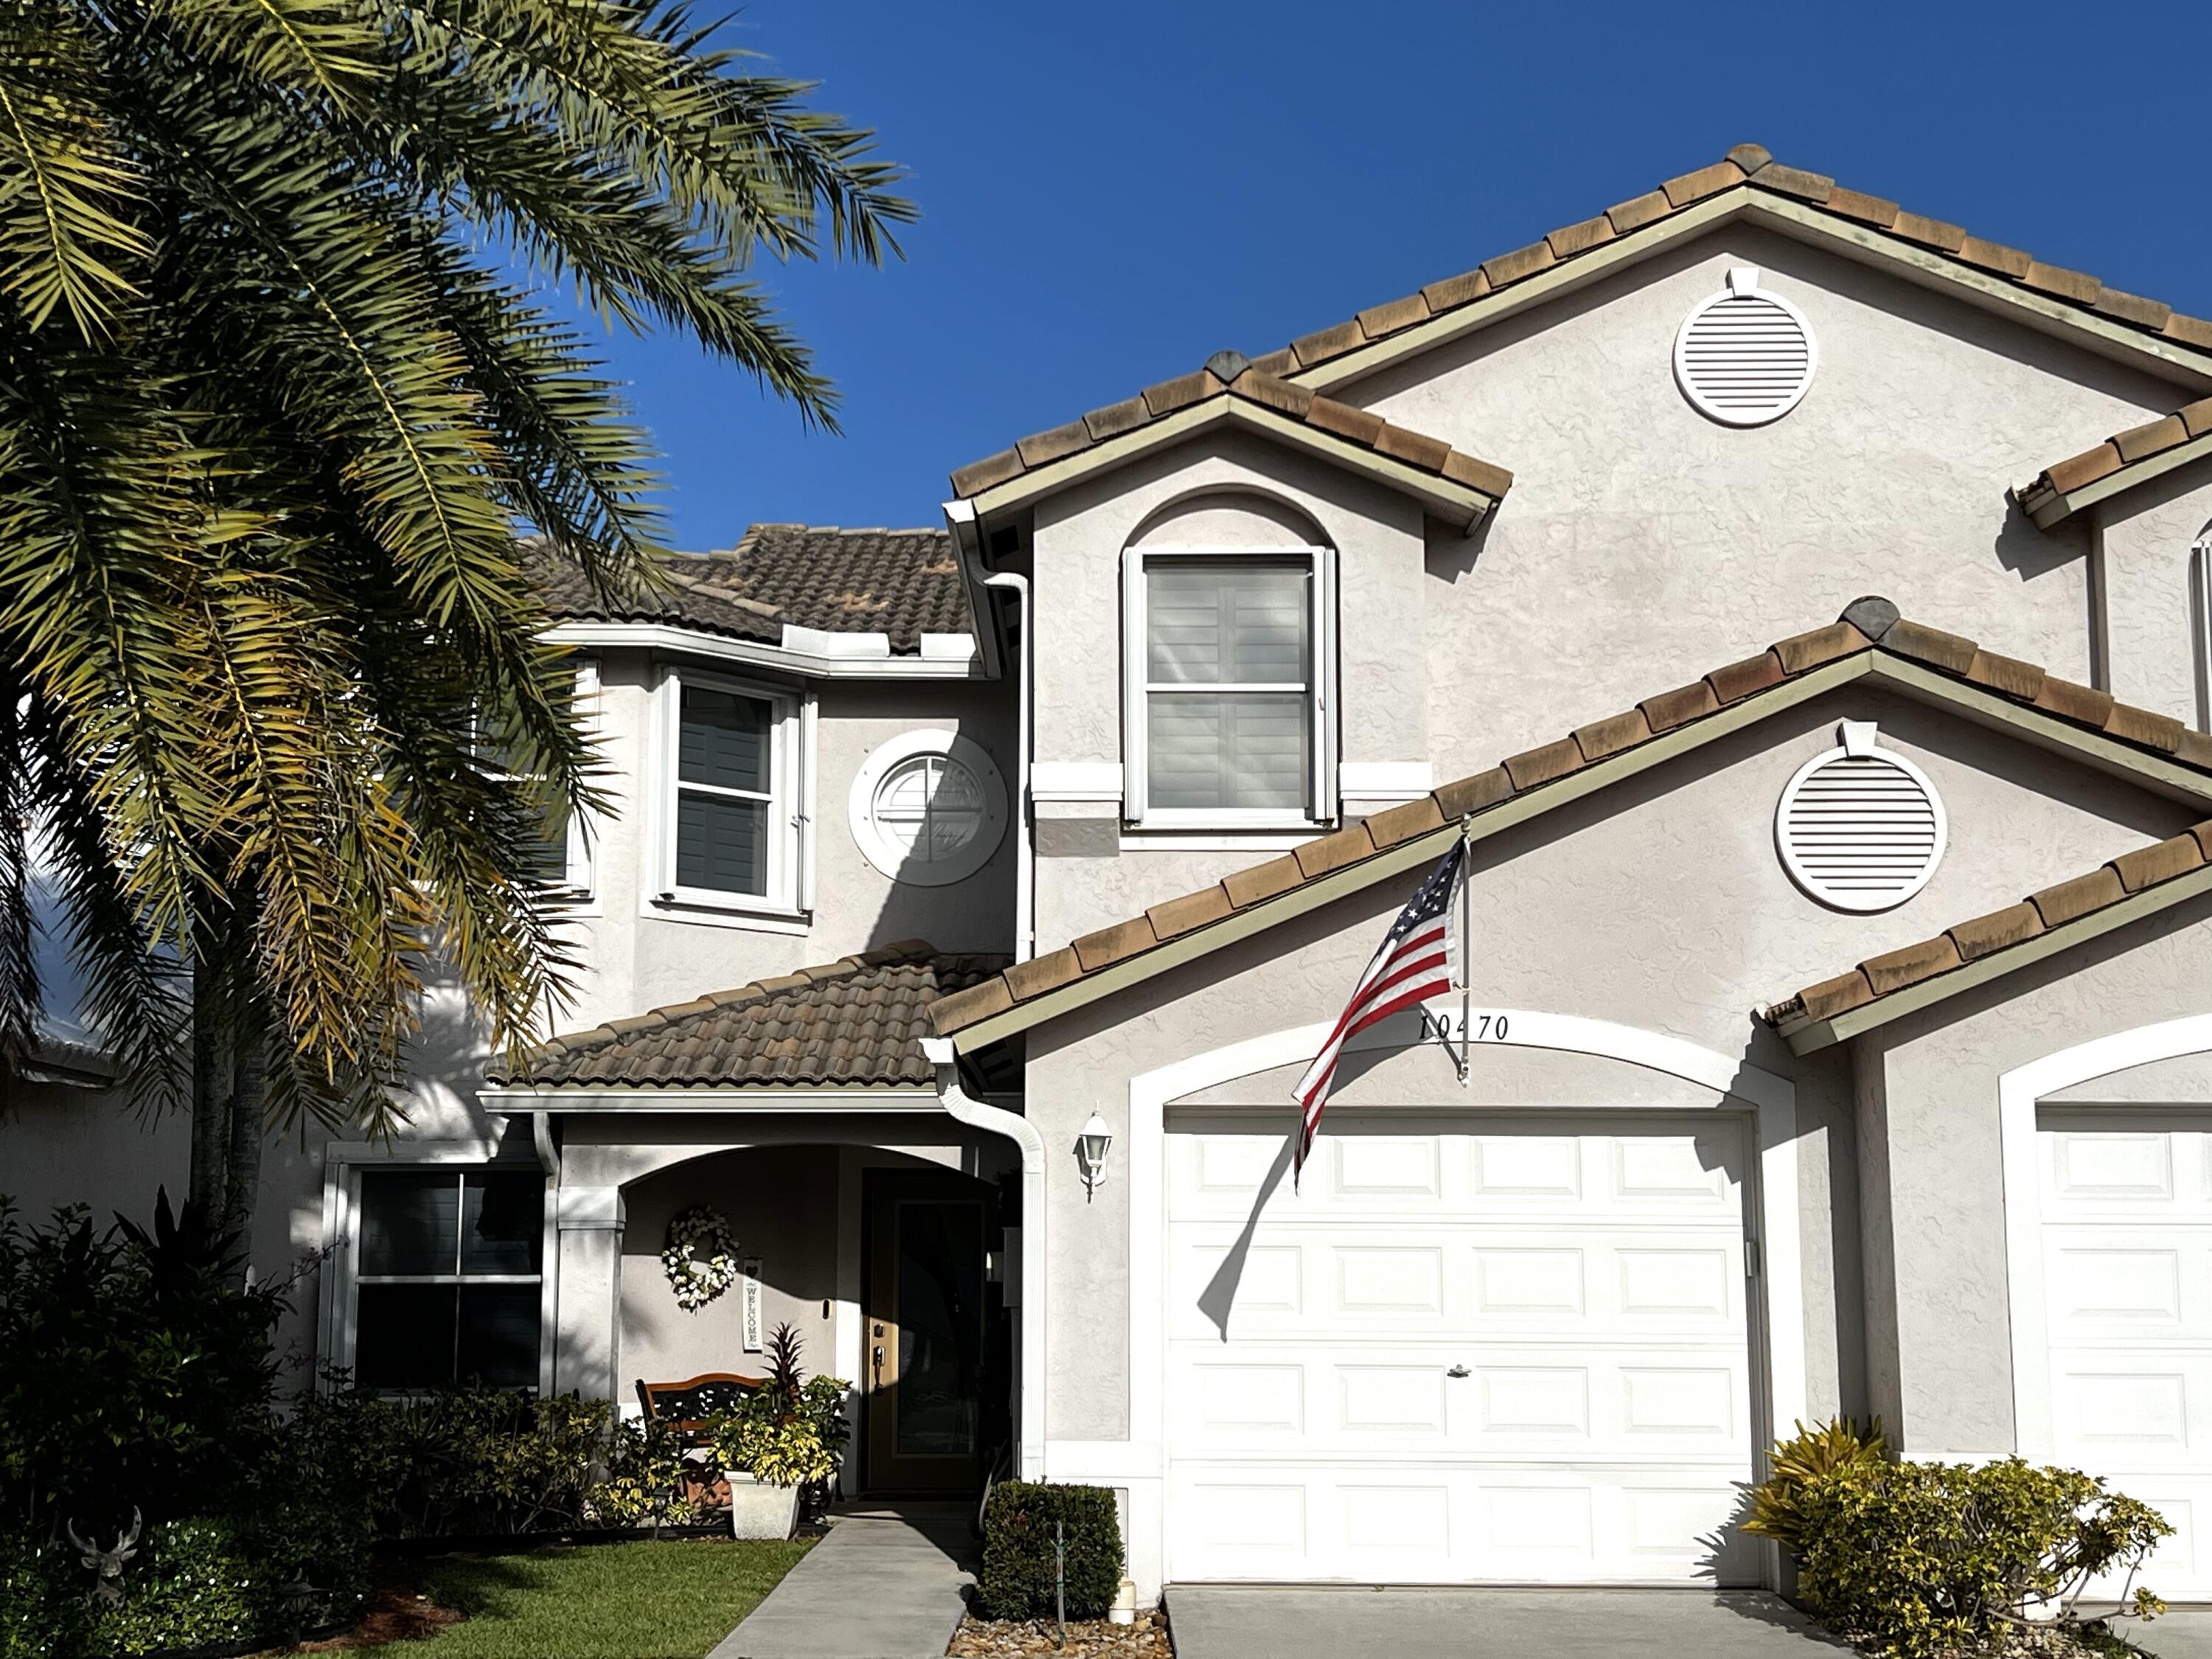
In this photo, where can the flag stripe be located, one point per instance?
(1416, 960)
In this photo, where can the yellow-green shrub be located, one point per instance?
(1797, 1463)
(1929, 1557)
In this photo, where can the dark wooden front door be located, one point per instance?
(926, 1355)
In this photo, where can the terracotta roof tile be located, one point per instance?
(853, 1021)
(902, 583)
(1638, 211)
(2142, 871)
(1456, 290)
(2041, 495)
(1509, 268)
(1227, 374)
(1869, 623)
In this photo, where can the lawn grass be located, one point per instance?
(669, 1599)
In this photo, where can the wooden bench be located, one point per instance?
(688, 1406)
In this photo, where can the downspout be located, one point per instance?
(994, 1120)
(549, 1287)
(1025, 842)
(2200, 596)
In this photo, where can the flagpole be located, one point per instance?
(1466, 947)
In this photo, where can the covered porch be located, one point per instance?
(873, 1206)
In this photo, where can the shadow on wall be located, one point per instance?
(781, 1202)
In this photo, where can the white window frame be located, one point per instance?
(345, 1163)
(574, 890)
(1321, 805)
(790, 794)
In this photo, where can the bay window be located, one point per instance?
(1228, 655)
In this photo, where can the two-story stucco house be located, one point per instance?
(1746, 573)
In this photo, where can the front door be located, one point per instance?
(925, 1353)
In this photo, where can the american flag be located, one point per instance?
(1418, 958)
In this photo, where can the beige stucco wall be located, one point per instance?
(639, 955)
(781, 1203)
(1643, 543)
(2151, 616)
(1659, 904)
(1939, 1351)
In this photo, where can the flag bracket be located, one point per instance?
(1437, 1029)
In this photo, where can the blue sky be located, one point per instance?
(1110, 193)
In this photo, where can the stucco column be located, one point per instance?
(587, 1318)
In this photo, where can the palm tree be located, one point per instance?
(277, 720)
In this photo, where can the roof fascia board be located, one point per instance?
(675, 1097)
(1446, 499)
(1815, 1035)
(1561, 279)
(1312, 895)
(2058, 508)
(1932, 269)
(2165, 777)
(659, 636)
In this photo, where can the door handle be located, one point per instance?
(1456, 1370)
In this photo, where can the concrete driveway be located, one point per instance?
(1226, 1622)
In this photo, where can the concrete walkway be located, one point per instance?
(886, 1583)
(1221, 1622)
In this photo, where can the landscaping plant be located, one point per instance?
(1018, 1579)
(1924, 1560)
(1811, 1455)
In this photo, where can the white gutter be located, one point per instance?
(1026, 845)
(943, 656)
(1030, 1306)
(2200, 582)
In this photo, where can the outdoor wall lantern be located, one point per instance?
(1090, 1150)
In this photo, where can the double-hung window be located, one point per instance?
(1228, 657)
(448, 1279)
(734, 814)
(558, 858)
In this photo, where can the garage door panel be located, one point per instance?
(1583, 1272)
(2127, 1274)
(1376, 1522)
(1504, 1277)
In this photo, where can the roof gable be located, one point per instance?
(1869, 640)
(2120, 463)
(1452, 485)
(1746, 183)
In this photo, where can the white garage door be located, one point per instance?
(2127, 1275)
(1476, 1348)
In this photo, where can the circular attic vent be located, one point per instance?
(1745, 356)
(1860, 828)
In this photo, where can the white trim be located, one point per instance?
(828, 642)
(1390, 780)
(676, 1097)
(1777, 1320)
(1320, 690)
(2018, 1092)
(1075, 780)
(935, 661)
(1185, 840)
(886, 853)
(789, 797)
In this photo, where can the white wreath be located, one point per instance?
(700, 1259)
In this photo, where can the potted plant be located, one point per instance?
(781, 1440)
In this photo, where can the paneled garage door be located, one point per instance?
(1475, 1347)
(2127, 1275)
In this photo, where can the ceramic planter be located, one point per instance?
(758, 1511)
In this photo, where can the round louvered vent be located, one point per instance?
(1745, 356)
(1860, 828)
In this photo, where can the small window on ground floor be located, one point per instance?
(447, 1283)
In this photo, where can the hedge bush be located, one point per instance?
(1925, 1559)
(1019, 1569)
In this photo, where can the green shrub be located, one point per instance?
(1019, 1573)
(1925, 1559)
(193, 1585)
(42, 1614)
(643, 1477)
(1777, 1503)
(791, 1437)
(135, 1370)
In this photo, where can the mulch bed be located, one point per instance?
(1087, 1639)
(398, 1611)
